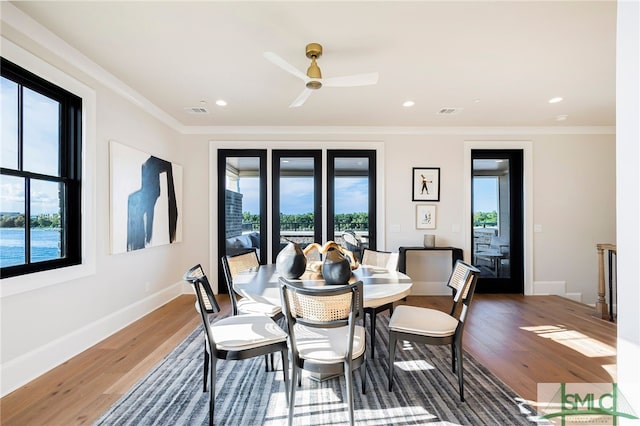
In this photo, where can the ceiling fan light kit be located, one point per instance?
(313, 78)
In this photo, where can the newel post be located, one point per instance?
(602, 310)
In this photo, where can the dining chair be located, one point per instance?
(232, 266)
(353, 244)
(434, 327)
(388, 261)
(233, 338)
(323, 335)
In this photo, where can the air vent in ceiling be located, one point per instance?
(449, 111)
(197, 110)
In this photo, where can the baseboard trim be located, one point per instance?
(556, 288)
(541, 288)
(20, 371)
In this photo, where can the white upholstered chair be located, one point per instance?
(233, 265)
(323, 335)
(385, 260)
(233, 338)
(434, 327)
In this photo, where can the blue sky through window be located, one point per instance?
(40, 149)
(296, 195)
(485, 194)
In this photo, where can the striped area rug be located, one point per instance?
(425, 391)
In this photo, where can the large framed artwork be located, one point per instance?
(426, 184)
(146, 199)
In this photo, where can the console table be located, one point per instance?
(456, 254)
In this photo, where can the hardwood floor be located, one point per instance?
(522, 340)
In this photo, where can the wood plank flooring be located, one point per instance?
(522, 340)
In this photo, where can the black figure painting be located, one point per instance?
(142, 203)
(146, 200)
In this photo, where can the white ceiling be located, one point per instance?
(500, 62)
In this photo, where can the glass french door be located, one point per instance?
(497, 220)
(297, 195)
(351, 198)
(298, 207)
(242, 213)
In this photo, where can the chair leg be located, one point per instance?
(212, 390)
(363, 375)
(372, 320)
(266, 363)
(348, 375)
(292, 390)
(454, 356)
(392, 355)
(460, 371)
(272, 367)
(205, 370)
(285, 372)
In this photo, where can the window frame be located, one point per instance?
(69, 165)
(222, 156)
(371, 155)
(276, 156)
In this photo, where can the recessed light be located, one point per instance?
(221, 102)
(476, 101)
(408, 104)
(561, 117)
(555, 100)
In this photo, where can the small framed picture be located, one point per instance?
(425, 216)
(426, 184)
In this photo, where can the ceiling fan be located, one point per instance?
(313, 78)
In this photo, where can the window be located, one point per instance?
(351, 187)
(40, 200)
(242, 188)
(297, 198)
(311, 200)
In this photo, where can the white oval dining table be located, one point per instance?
(380, 285)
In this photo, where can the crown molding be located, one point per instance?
(33, 30)
(374, 130)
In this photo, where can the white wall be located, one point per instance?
(571, 196)
(52, 322)
(628, 211)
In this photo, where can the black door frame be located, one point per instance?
(332, 154)
(515, 283)
(223, 154)
(276, 155)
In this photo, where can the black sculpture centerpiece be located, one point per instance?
(291, 261)
(336, 269)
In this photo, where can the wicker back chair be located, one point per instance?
(323, 335)
(383, 259)
(233, 265)
(434, 327)
(386, 260)
(353, 244)
(228, 338)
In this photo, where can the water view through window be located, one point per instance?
(40, 154)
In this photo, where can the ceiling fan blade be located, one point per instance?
(351, 80)
(277, 60)
(301, 98)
